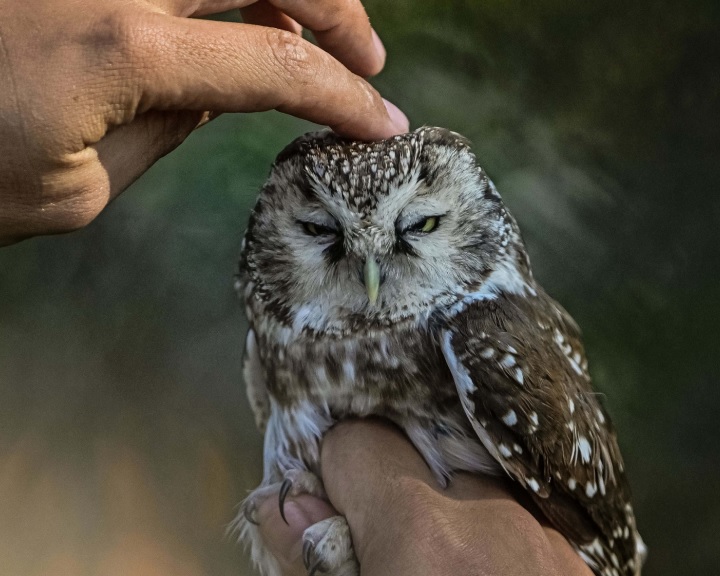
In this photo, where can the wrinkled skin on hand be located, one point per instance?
(93, 92)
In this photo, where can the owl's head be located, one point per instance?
(351, 232)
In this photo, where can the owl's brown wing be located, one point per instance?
(521, 373)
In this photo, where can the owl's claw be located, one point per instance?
(308, 553)
(307, 550)
(284, 490)
(249, 511)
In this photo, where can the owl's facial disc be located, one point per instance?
(382, 231)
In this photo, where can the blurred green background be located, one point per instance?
(126, 441)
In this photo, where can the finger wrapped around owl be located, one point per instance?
(389, 279)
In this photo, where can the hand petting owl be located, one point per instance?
(388, 279)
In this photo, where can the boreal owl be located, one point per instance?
(388, 278)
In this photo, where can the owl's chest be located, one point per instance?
(379, 372)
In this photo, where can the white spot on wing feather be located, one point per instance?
(584, 448)
(508, 361)
(510, 418)
(519, 376)
(590, 489)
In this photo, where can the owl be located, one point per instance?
(389, 279)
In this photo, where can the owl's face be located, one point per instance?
(377, 232)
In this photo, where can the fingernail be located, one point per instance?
(379, 46)
(396, 115)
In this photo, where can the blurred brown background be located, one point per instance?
(126, 440)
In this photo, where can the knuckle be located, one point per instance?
(521, 521)
(421, 505)
(124, 40)
(522, 526)
(290, 53)
(111, 33)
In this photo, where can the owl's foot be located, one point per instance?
(299, 482)
(295, 482)
(327, 548)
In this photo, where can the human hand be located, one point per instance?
(402, 523)
(93, 92)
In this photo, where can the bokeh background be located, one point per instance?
(126, 441)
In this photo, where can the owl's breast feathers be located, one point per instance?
(520, 370)
(380, 371)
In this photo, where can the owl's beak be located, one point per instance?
(371, 279)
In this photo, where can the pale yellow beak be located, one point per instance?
(371, 279)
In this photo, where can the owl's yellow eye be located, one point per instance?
(424, 226)
(429, 224)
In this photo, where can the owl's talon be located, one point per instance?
(307, 551)
(327, 548)
(249, 511)
(284, 490)
(315, 567)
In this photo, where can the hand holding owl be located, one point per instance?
(382, 484)
(112, 87)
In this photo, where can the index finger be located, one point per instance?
(203, 65)
(341, 27)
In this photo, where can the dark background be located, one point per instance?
(126, 441)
